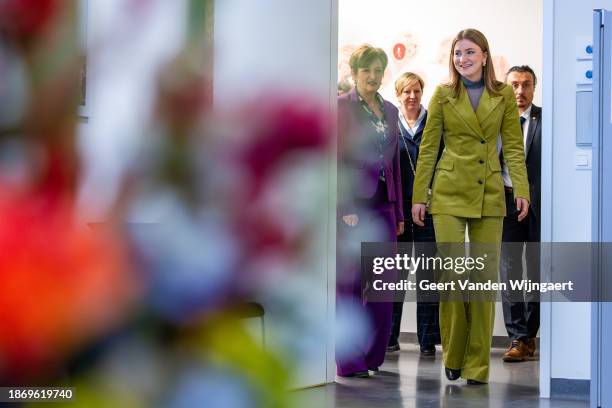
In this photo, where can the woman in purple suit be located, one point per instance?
(370, 201)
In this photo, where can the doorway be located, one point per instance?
(416, 37)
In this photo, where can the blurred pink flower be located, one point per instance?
(282, 128)
(280, 131)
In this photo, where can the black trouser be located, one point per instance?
(522, 318)
(428, 326)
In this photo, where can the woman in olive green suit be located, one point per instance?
(472, 112)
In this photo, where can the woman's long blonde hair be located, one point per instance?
(478, 38)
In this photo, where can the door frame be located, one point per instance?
(546, 226)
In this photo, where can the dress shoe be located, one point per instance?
(391, 349)
(517, 351)
(475, 382)
(428, 350)
(357, 374)
(452, 374)
(531, 347)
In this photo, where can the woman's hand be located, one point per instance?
(351, 220)
(400, 228)
(522, 205)
(418, 214)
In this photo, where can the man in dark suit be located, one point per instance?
(522, 318)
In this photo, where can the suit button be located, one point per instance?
(481, 161)
(479, 181)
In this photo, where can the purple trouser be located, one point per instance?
(367, 353)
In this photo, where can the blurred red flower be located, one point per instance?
(26, 19)
(62, 285)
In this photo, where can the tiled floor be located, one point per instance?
(408, 380)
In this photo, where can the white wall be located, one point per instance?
(124, 53)
(287, 47)
(517, 35)
(570, 218)
(271, 45)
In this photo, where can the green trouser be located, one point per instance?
(466, 327)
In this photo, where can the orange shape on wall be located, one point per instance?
(399, 51)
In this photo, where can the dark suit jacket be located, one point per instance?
(533, 160)
(412, 145)
(359, 160)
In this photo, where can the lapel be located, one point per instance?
(390, 112)
(419, 132)
(353, 96)
(403, 131)
(474, 120)
(463, 108)
(356, 111)
(354, 104)
(392, 119)
(487, 105)
(533, 123)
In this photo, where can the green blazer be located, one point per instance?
(467, 181)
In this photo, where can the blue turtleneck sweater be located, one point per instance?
(474, 90)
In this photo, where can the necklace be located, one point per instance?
(412, 167)
(406, 147)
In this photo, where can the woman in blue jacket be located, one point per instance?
(412, 119)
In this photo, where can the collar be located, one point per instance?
(417, 124)
(471, 84)
(527, 113)
(378, 97)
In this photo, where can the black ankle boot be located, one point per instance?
(452, 374)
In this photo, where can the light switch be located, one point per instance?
(582, 160)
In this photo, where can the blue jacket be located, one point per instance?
(412, 145)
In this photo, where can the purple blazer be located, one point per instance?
(359, 161)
